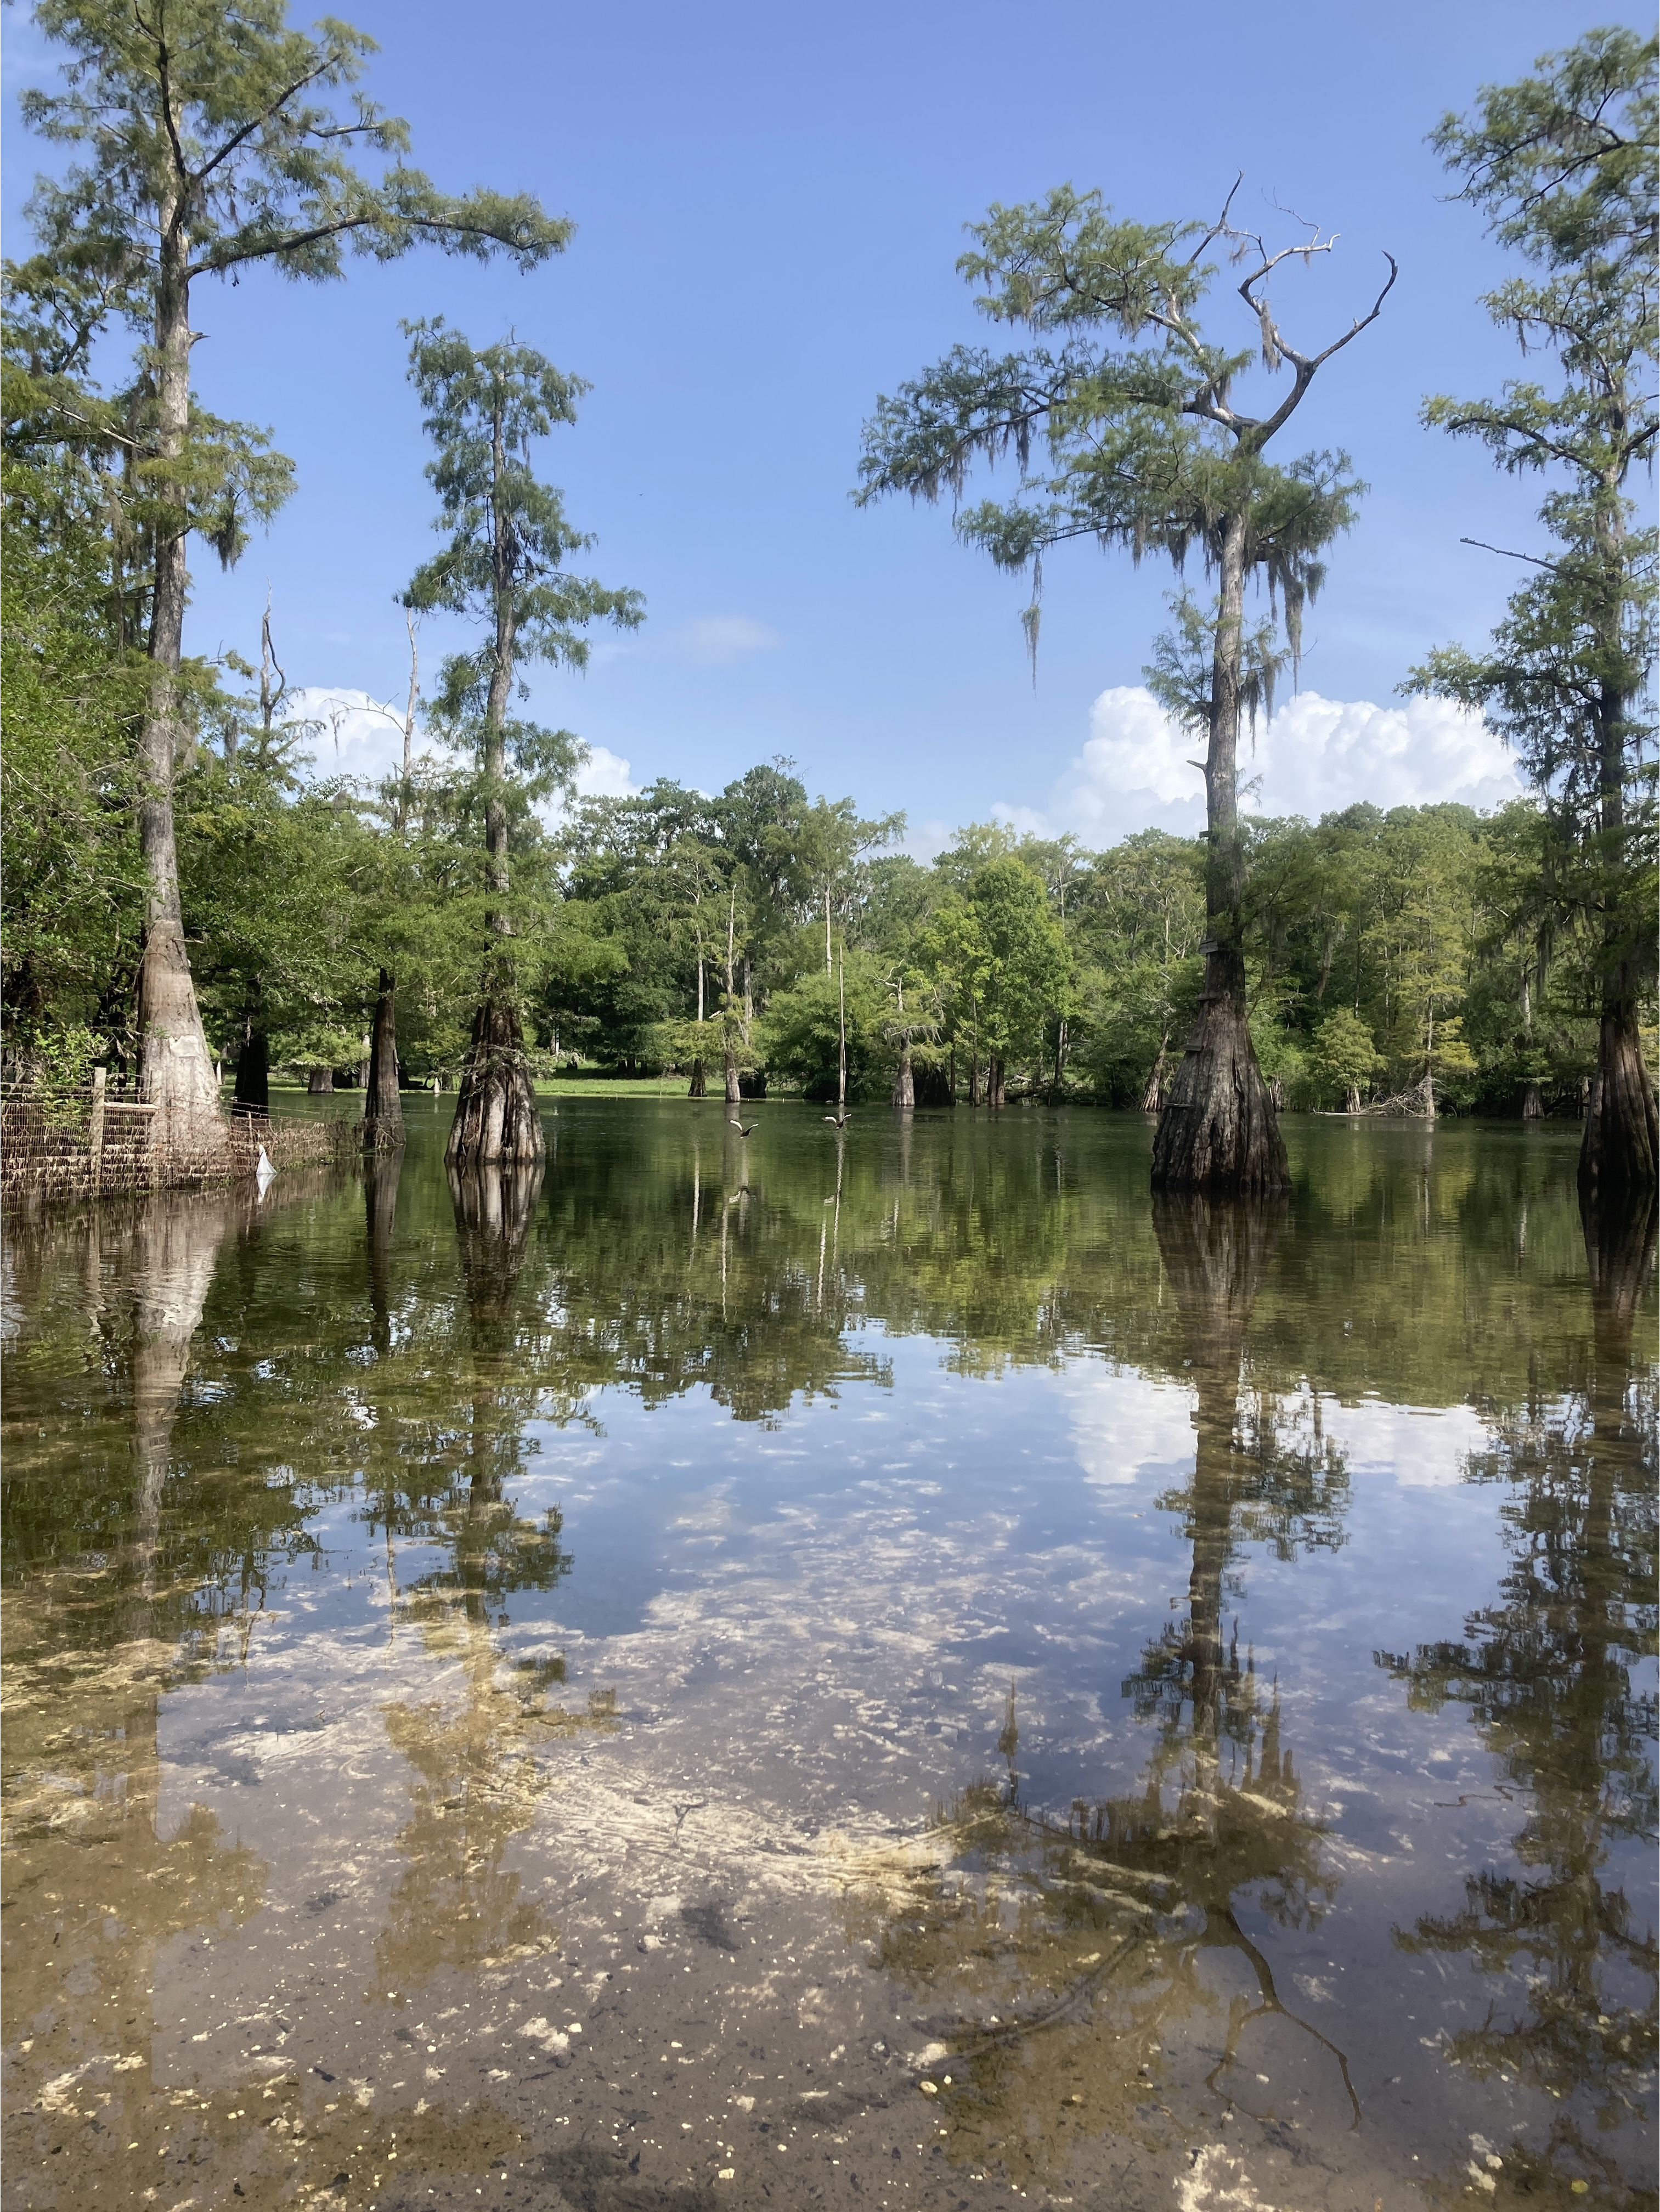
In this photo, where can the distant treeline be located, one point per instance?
(675, 931)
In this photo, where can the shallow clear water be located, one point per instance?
(883, 1673)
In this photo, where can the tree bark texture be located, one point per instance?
(698, 1087)
(321, 1082)
(1620, 1151)
(1217, 1130)
(497, 1122)
(383, 1109)
(1152, 1098)
(904, 1081)
(175, 1069)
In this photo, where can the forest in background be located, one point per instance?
(1382, 945)
(748, 939)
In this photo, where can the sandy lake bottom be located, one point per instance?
(879, 1671)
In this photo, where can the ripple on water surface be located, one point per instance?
(868, 1672)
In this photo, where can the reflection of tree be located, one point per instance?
(382, 1172)
(1020, 1245)
(478, 1783)
(664, 1285)
(1061, 1958)
(121, 1573)
(1266, 1477)
(1546, 1673)
(477, 1777)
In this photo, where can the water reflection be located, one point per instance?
(477, 1781)
(345, 1458)
(1095, 1970)
(119, 1601)
(1552, 1671)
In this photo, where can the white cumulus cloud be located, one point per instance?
(721, 641)
(351, 732)
(605, 774)
(1315, 758)
(1322, 754)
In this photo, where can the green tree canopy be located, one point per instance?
(1564, 165)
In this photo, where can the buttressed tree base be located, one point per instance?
(495, 1117)
(1218, 1130)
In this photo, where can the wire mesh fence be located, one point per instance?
(94, 1140)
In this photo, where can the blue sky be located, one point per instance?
(769, 202)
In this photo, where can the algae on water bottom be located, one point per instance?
(883, 1670)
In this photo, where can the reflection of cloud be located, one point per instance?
(721, 641)
(1419, 1447)
(1127, 1428)
(1316, 756)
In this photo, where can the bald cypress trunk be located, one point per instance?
(1620, 1151)
(497, 1122)
(1152, 1098)
(904, 1081)
(1621, 1146)
(175, 1068)
(1217, 1130)
(383, 1110)
(496, 1119)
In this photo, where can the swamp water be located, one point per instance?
(887, 1673)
